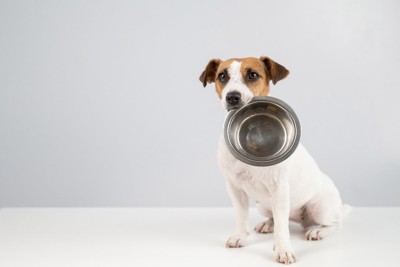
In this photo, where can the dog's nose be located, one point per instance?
(233, 98)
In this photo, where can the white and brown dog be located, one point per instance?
(294, 189)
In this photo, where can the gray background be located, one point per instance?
(100, 103)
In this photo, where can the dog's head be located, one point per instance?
(237, 80)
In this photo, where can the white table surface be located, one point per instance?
(42, 237)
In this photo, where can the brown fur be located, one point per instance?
(268, 70)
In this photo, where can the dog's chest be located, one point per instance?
(251, 179)
(252, 184)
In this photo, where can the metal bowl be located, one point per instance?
(264, 132)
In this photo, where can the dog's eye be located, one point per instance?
(222, 77)
(252, 76)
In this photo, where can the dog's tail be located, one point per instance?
(346, 210)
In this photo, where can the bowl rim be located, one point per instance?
(263, 162)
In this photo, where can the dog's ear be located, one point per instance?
(276, 71)
(208, 75)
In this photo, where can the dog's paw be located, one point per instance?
(265, 227)
(313, 233)
(318, 232)
(284, 255)
(236, 241)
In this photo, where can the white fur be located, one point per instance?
(294, 189)
(236, 84)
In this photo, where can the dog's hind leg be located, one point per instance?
(323, 214)
(318, 232)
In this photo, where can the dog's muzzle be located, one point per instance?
(233, 100)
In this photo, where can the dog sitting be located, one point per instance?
(294, 189)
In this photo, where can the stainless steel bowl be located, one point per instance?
(264, 132)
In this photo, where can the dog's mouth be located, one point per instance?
(232, 107)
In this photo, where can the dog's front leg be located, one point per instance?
(240, 203)
(281, 208)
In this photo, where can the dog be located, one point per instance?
(294, 189)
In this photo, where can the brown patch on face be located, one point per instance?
(223, 67)
(255, 76)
